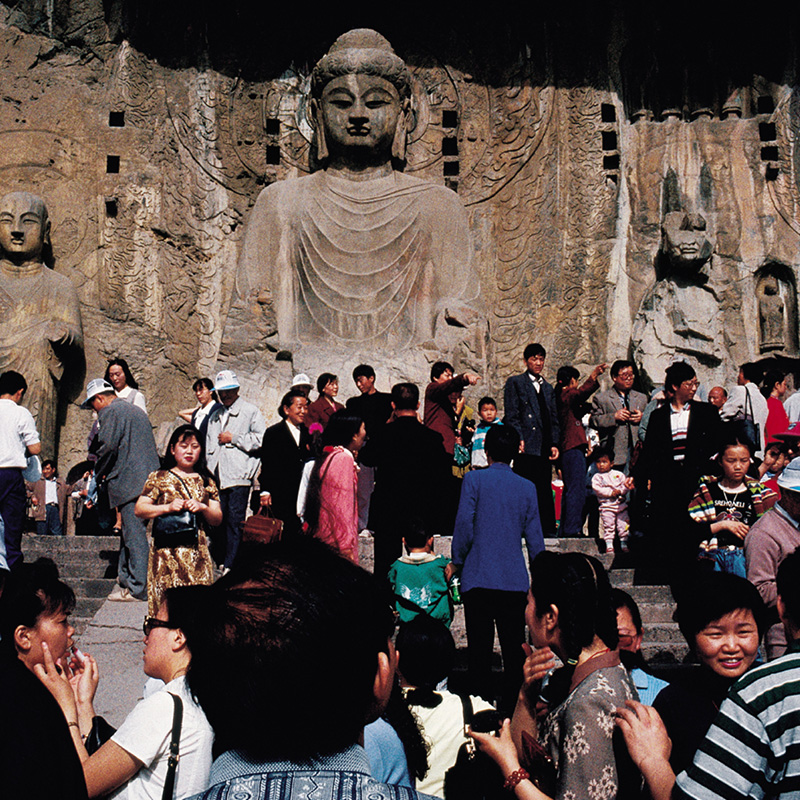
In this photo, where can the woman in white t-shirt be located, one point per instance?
(134, 760)
(119, 375)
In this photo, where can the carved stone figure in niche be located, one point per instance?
(680, 315)
(777, 318)
(359, 252)
(39, 309)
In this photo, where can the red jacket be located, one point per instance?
(572, 431)
(440, 415)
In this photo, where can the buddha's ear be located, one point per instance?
(401, 131)
(318, 141)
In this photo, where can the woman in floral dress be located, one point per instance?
(181, 485)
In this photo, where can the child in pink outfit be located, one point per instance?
(610, 487)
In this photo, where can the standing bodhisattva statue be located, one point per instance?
(359, 252)
(39, 309)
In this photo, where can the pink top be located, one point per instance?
(338, 512)
(604, 483)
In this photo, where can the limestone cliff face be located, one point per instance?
(151, 132)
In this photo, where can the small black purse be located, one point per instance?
(177, 528)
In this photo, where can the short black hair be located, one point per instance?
(181, 434)
(534, 349)
(200, 382)
(602, 452)
(677, 373)
(752, 372)
(363, 371)
(619, 365)
(325, 379)
(268, 622)
(501, 443)
(788, 582)
(11, 382)
(712, 597)
(566, 374)
(415, 533)
(439, 368)
(405, 396)
(426, 651)
(48, 462)
(32, 591)
(288, 399)
(486, 401)
(772, 377)
(622, 599)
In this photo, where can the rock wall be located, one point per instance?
(565, 164)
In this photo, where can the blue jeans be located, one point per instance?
(573, 471)
(730, 561)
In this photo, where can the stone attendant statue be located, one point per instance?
(39, 309)
(358, 252)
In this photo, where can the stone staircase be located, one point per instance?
(87, 563)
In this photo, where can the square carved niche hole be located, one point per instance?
(765, 104)
(611, 162)
(450, 168)
(450, 146)
(767, 131)
(273, 154)
(273, 127)
(449, 119)
(116, 119)
(112, 208)
(608, 113)
(769, 153)
(609, 140)
(112, 164)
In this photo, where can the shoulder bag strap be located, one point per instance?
(174, 748)
(189, 495)
(466, 707)
(748, 400)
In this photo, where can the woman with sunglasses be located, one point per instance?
(136, 756)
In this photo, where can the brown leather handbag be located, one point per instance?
(262, 527)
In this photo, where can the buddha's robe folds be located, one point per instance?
(368, 262)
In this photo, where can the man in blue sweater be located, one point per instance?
(497, 509)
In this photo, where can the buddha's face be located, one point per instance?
(360, 113)
(685, 240)
(22, 229)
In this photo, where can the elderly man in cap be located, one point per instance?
(126, 455)
(233, 444)
(768, 542)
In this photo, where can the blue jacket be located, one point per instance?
(497, 509)
(522, 411)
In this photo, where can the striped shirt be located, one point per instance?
(753, 748)
(679, 425)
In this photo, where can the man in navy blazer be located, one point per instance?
(530, 407)
(497, 509)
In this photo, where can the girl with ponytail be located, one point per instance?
(570, 614)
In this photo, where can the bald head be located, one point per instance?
(717, 396)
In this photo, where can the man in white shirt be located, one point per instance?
(745, 401)
(18, 440)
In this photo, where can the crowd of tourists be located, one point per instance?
(246, 642)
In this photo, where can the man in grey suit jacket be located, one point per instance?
(617, 412)
(530, 407)
(126, 455)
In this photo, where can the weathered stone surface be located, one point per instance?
(152, 131)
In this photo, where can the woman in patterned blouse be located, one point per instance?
(570, 614)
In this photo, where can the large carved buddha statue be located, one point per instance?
(359, 252)
(39, 309)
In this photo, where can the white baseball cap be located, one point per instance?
(226, 379)
(93, 388)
